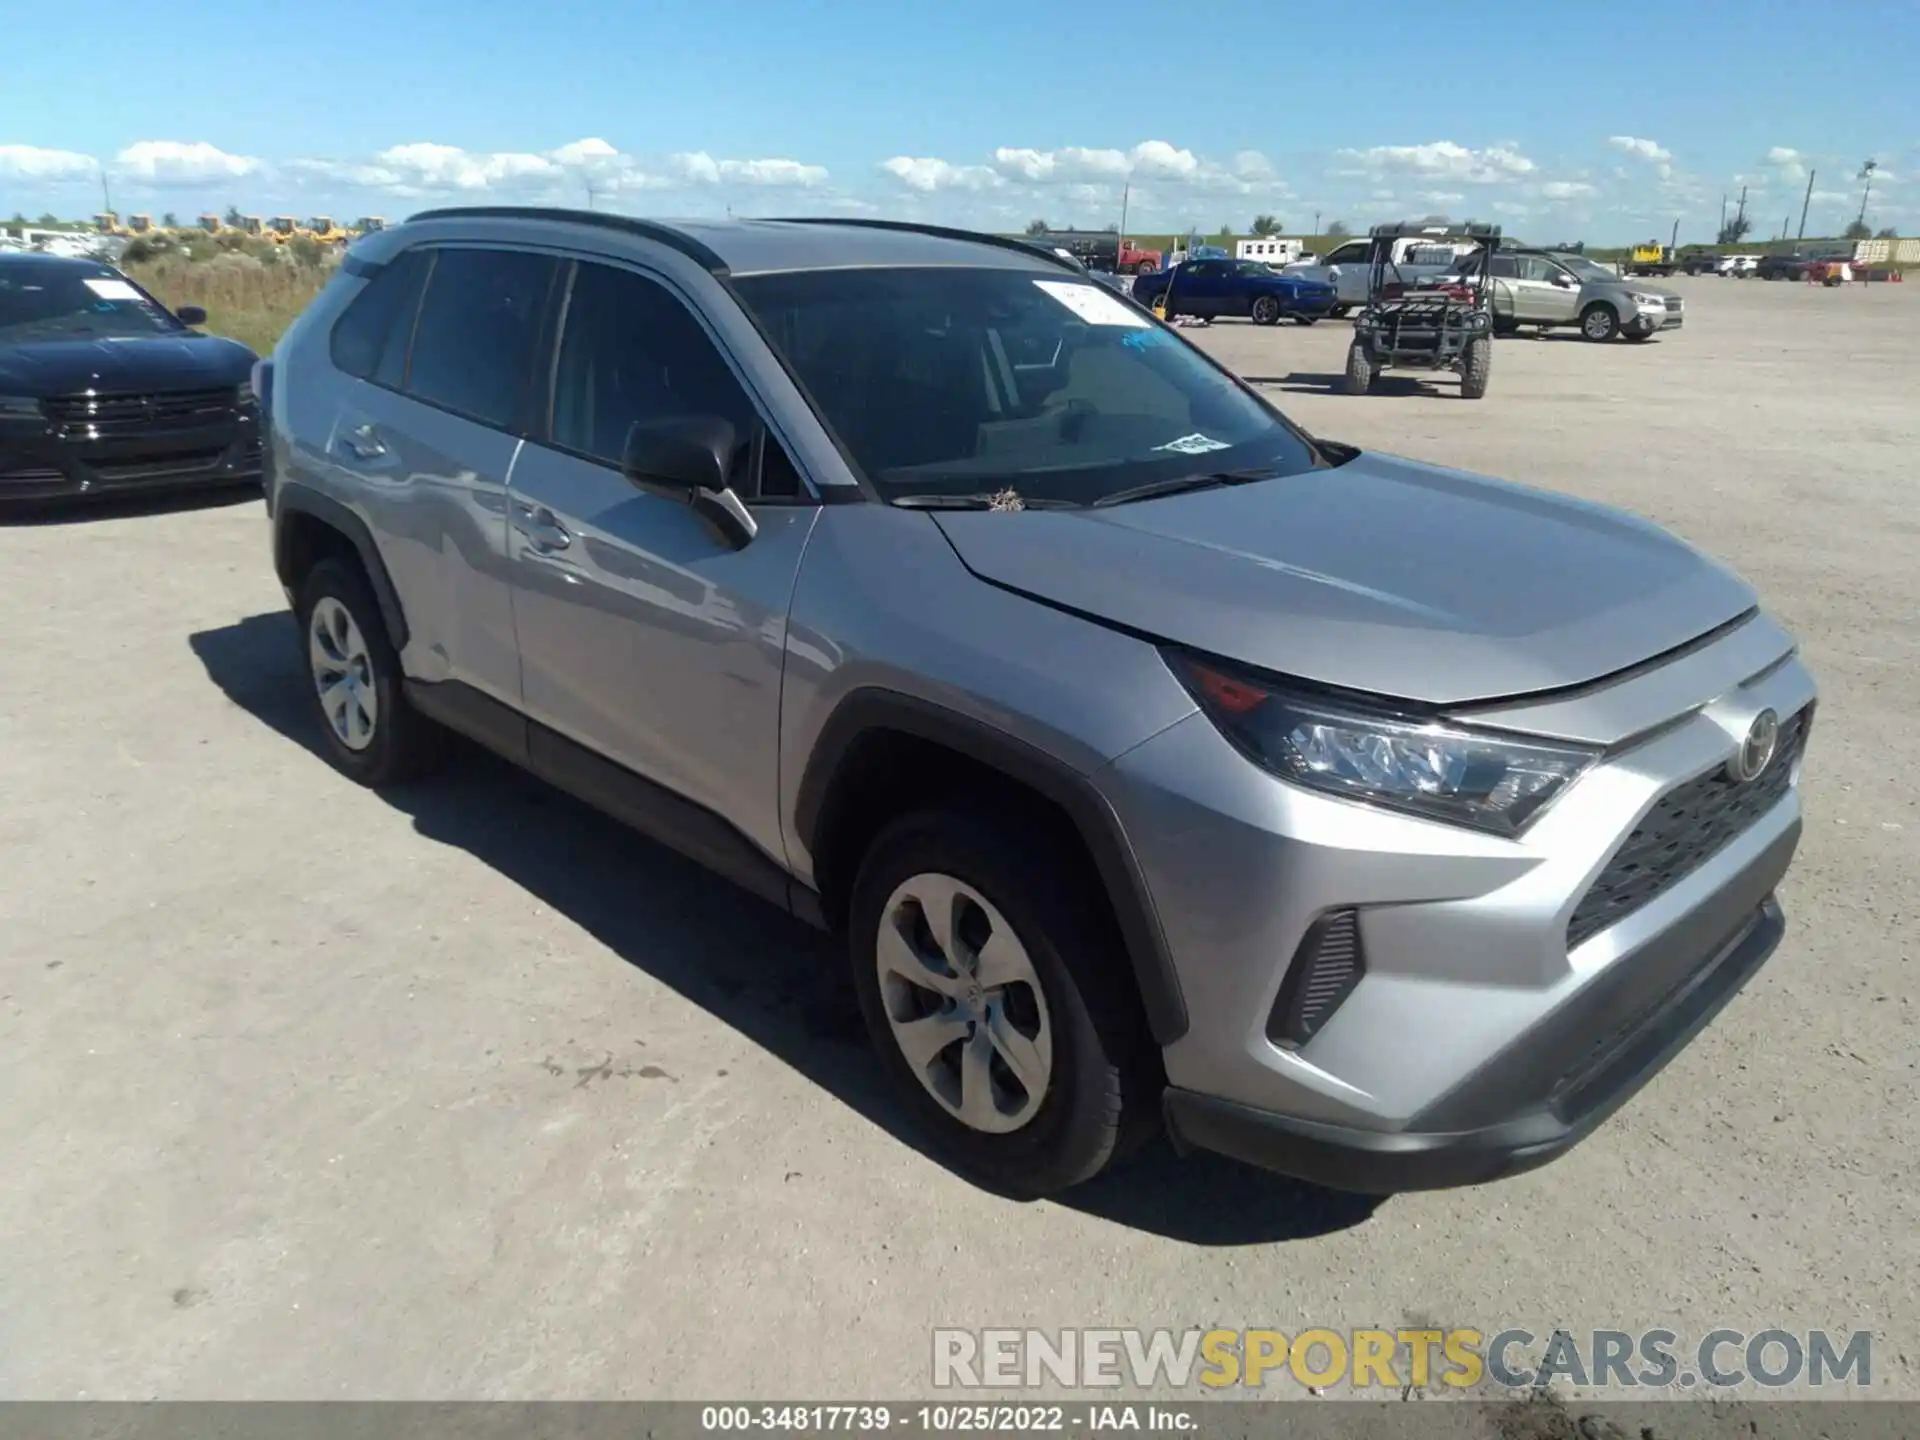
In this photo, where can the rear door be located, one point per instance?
(644, 636)
(429, 436)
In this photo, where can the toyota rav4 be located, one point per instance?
(1161, 763)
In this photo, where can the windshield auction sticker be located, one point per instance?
(1092, 304)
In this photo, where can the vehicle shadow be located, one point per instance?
(91, 510)
(778, 982)
(1303, 382)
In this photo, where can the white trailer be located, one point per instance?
(1272, 252)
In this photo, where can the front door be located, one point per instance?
(644, 635)
(1548, 293)
(1197, 288)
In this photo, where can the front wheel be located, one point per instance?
(985, 967)
(1598, 322)
(1479, 368)
(1340, 312)
(1359, 370)
(1266, 311)
(1145, 267)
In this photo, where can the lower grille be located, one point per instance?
(1673, 304)
(1326, 967)
(159, 467)
(80, 417)
(1687, 827)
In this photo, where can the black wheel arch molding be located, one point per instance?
(872, 711)
(294, 499)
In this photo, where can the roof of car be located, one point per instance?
(757, 247)
(43, 260)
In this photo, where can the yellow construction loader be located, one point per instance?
(210, 224)
(368, 224)
(108, 223)
(140, 224)
(282, 228)
(322, 228)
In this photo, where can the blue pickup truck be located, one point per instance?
(1211, 289)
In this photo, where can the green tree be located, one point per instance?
(48, 221)
(1036, 227)
(1265, 225)
(1857, 230)
(1887, 233)
(1226, 233)
(233, 216)
(170, 221)
(1336, 229)
(1734, 231)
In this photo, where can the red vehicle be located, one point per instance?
(1103, 250)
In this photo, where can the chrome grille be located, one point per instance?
(1687, 827)
(81, 417)
(1673, 303)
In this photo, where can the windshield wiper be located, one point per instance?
(979, 502)
(1180, 484)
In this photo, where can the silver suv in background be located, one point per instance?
(1160, 762)
(1547, 290)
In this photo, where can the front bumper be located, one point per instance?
(45, 463)
(1649, 320)
(1492, 1021)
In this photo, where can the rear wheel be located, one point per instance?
(1479, 368)
(1145, 267)
(1359, 370)
(1266, 310)
(368, 731)
(1340, 312)
(994, 984)
(1598, 322)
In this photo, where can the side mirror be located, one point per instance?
(1563, 280)
(688, 459)
(191, 315)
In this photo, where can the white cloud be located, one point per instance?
(1789, 162)
(175, 162)
(1645, 149)
(928, 174)
(1566, 189)
(1442, 197)
(1441, 159)
(1831, 197)
(30, 162)
(702, 169)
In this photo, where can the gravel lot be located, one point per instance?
(311, 1093)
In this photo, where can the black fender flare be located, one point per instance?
(296, 499)
(873, 710)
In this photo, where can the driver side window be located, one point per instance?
(1348, 254)
(631, 351)
(1536, 267)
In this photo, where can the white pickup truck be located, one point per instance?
(1345, 266)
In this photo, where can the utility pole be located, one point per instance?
(1723, 212)
(589, 185)
(106, 198)
(1741, 214)
(1804, 204)
(1674, 243)
(1316, 223)
(1126, 194)
(1866, 174)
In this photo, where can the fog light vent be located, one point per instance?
(1326, 967)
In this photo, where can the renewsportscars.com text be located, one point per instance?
(1364, 1359)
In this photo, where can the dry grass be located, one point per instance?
(246, 299)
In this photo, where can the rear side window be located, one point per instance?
(382, 311)
(479, 327)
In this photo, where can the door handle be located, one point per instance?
(363, 442)
(541, 527)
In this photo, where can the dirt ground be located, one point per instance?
(309, 1093)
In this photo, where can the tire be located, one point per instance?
(1359, 371)
(343, 636)
(1598, 322)
(1145, 267)
(1266, 311)
(1068, 1011)
(1505, 327)
(1340, 312)
(1479, 368)
(1637, 337)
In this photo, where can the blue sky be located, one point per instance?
(1560, 121)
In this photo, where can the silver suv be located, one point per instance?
(1546, 289)
(1375, 822)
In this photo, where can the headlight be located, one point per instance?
(1650, 300)
(1477, 779)
(19, 407)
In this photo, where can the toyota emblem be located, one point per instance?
(1756, 751)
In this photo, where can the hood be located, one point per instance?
(1384, 576)
(158, 362)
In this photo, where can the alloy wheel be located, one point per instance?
(964, 1003)
(343, 673)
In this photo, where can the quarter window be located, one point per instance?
(384, 309)
(479, 327)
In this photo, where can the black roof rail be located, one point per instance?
(1435, 230)
(631, 225)
(944, 232)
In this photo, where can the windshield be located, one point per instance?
(1586, 269)
(960, 381)
(61, 302)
